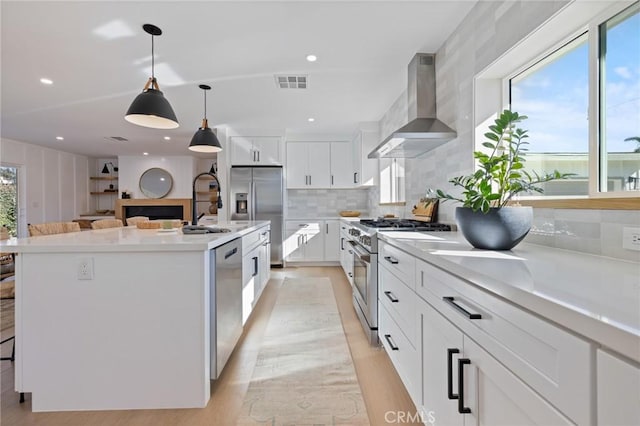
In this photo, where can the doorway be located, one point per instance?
(9, 199)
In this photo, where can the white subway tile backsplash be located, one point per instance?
(314, 203)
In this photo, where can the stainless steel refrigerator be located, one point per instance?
(257, 193)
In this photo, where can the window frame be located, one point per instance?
(399, 191)
(512, 64)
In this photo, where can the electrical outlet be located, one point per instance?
(631, 238)
(85, 269)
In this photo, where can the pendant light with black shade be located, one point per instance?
(204, 139)
(150, 108)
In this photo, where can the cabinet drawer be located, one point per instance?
(254, 239)
(404, 357)
(554, 362)
(400, 302)
(400, 263)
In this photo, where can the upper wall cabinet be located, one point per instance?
(320, 165)
(308, 165)
(253, 151)
(365, 169)
(342, 172)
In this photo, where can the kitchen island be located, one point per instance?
(117, 318)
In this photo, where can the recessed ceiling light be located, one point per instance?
(46, 81)
(312, 58)
(167, 138)
(145, 153)
(311, 119)
(60, 138)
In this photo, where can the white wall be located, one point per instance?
(182, 170)
(53, 185)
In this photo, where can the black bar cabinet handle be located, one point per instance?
(230, 253)
(451, 301)
(391, 296)
(450, 352)
(341, 243)
(391, 342)
(391, 260)
(355, 177)
(461, 408)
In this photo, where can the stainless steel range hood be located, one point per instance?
(424, 131)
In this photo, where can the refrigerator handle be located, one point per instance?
(252, 210)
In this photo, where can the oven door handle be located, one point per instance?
(362, 255)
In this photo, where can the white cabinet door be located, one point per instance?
(618, 391)
(346, 252)
(293, 245)
(297, 173)
(304, 241)
(318, 164)
(313, 241)
(341, 165)
(365, 169)
(442, 347)
(332, 240)
(264, 271)
(250, 271)
(356, 157)
(242, 151)
(267, 150)
(495, 396)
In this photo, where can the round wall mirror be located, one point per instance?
(156, 183)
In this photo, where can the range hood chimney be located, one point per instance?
(424, 131)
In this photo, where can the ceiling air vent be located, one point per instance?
(291, 81)
(116, 138)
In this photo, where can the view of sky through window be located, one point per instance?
(622, 83)
(554, 94)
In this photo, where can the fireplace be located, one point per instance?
(162, 208)
(154, 212)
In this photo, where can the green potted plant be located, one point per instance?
(486, 218)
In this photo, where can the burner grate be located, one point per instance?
(404, 225)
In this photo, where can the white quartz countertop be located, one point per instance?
(594, 296)
(130, 239)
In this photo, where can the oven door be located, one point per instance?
(365, 283)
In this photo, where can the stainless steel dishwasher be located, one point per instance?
(226, 303)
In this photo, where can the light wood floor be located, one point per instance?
(381, 388)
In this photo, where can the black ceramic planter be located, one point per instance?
(499, 229)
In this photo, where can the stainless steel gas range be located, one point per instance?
(364, 242)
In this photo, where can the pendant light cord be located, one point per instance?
(205, 104)
(153, 76)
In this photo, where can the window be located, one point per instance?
(553, 94)
(583, 103)
(619, 65)
(392, 180)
